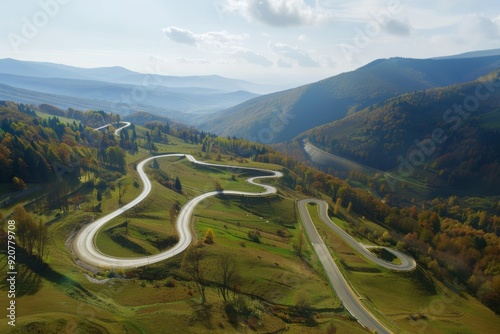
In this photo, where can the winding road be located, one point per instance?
(84, 244)
(407, 262)
(85, 249)
(340, 285)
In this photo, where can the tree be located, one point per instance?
(116, 158)
(156, 165)
(226, 277)
(349, 207)
(303, 306)
(33, 236)
(42, 239)
(99, 195)
(209, 236)
(18, 184)
(338, 203)
(218, 185)
(174, 211)
(178, 185)
(122, 190)
(299, 246)
(192, 265)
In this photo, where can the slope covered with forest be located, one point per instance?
(452, 133)
(281, 116)
(34, 149)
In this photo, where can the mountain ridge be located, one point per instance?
(324, 101)
(399, 135)
(118, 74)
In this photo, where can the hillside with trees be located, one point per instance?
(281, 116)
(446, 137)
(35, 150)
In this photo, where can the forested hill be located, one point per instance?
(35, 149)
(281, 116)
(452, 132)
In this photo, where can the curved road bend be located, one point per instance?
(407, 262)
(84, 243)
(339, 283)
(117, 131)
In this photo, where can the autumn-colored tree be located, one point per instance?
(33, 236)
(18, 184)
(209, 236)
(217, 185)
(338, 203)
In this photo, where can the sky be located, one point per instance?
(285, 42)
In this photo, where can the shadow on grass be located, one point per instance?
(30, 272)
(422, 280)
(201, 314)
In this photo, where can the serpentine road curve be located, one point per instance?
(85, 249)
(84, 243)
(338, 281)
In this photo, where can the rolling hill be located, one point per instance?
(184, 100)
(281, 116)
(119, 90)
(117, 74)
(448, 136)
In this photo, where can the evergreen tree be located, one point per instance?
(178, 186)
(156, 165)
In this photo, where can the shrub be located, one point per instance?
(254, 236)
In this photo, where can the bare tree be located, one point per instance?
(192, 265)
(226, 277)
(299, 246)
(43, 237)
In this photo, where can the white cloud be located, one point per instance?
(184, 60)
(300, 56)
(252, 57)
(283, 63)
(185, 36)
(480, 27)
(179, 35)
(280, 13)
(302, 38)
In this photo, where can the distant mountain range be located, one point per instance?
(120, 90)
(281, 116)
(118, 74)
